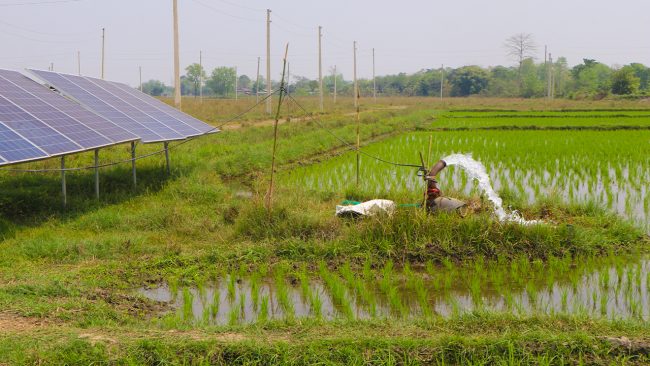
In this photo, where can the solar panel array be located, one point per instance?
(36, 123)
(147, 117)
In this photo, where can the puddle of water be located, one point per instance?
(613, 292)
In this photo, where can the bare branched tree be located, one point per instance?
(520, 47)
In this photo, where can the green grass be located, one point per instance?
(71, 274)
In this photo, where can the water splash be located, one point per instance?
(476, 170)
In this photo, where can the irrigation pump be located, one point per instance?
(434, 201)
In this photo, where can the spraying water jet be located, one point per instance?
(436, 202)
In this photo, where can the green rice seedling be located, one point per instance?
(564, 299)
(188, 299)
(604, 279)
(475, 291)
(303, 277)
(231, 287)
(422, 295)
(364, 294)
(200, 288)
(255, 281)
(205, 315)
(242, 306)
(173, 287)
(604, 297)
(368, 274)
(233, 315)
(263, 314)
(216, 302)
(337, 290)
(531, 290)
(316, 304)
(283, 294)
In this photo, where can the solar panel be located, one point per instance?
(35, 131)
(139, 113)
(183, 117)
(79, 124)
(164, 118)
(96, 105)
(135, 114)
(15, 148)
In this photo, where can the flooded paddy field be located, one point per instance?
(611, 288)
(608, 168)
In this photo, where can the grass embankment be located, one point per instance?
(67, 277)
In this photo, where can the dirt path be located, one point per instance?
(269, 122)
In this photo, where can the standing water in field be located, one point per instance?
(477, 171)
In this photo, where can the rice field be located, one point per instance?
(608, 168)
(612, 287)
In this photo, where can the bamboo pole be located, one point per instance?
(269, 197)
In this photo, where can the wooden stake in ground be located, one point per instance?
(356, 102)
(268, 61)
(269, 196)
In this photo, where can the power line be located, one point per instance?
(224, 13)
(40, 2)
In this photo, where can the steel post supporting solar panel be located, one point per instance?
(167, 158)
(63, 187)
(97, 173)
(135, 181)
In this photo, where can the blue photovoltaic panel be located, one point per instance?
(185, 118)
(179, 126)
(59, 121)
(35, 131)
(14, 148)
(97, 105)
(80, 125)
(121, 105)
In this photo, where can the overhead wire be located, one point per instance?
(39, 2)
(345, 142)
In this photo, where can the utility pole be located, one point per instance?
(236, 83)
(320, 67)
(548, 77)
(546, 64)
(374, 80)
(334, 84)
(103, 50)
(140, 79)
(257, 82)
(356, 87)
(442, 79)
(201, 77)
(268, 61)
(177, 63)
(79, 62)
(288, 76)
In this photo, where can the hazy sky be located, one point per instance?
(408, 35)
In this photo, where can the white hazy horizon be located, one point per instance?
(408, 36)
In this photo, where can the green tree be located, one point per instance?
(222, 81)
(194, 74)
(155, 88)
(625, 82)
(591, 78)
(468, 80)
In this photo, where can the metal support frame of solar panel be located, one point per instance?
(36, 123)
(152, 120)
